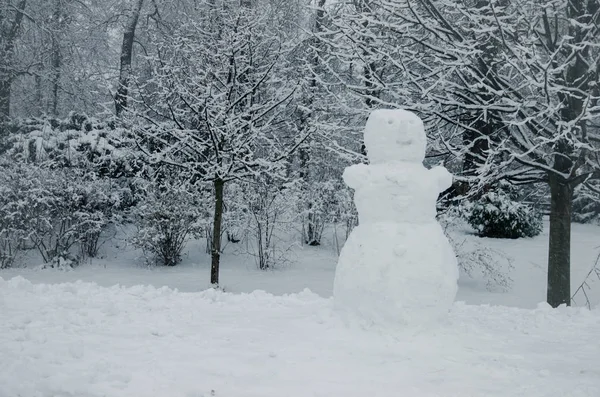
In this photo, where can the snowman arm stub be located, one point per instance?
(355, 175)
(443, 176)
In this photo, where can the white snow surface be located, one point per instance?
(397, 266)
(314, 268)
(83, 340)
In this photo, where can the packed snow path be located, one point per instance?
(82, 340)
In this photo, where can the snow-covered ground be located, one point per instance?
(314, 267)
(83, 340)
(60, 337)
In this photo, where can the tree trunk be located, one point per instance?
(39, 93)
(126, 56)
(9, 30)
(4, 100)
(57, 27)
(565, 161)
(216, 237)
(369, 68)
(485, 123)
(55, 64)
(559, 251)
(312, 238)
(304, 154)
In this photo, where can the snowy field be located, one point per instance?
(314, 267)
(82, 340)
(60, 337)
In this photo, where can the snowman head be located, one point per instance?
(394, 135)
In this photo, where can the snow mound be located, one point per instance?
(80, 339)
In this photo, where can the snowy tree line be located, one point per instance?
(233, 119)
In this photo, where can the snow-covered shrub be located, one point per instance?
(317, 203)
(167, 216)
(475, 259)
(322, 203)
(10, 247)
(79, 167)
(345, 210)
(584, 293)
(56, 210)
(586, 203)
(14, 215)
(81, 210)
(101, 202)
(270, 218)
(497, 214)
(74, 142)
(235, 214)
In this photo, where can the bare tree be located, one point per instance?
(546, 91)
(216, 106)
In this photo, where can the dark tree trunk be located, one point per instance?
(486, 123)
(369, 76)
(55, 59)
(370, 68)
(4, 99)
(216, 237)
(9, 31)
(126, 56)
(311, 237)
(567, 161)
(559, 251)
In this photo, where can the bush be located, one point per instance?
(497, 214)
(270, 216)
(476, 259)
(63, 183)
(55, 210)
(75, 142)
(586, 203)
(14, 217)
(325, 202)
(317, 204)
(167, 217)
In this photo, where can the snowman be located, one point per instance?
(397, 267)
